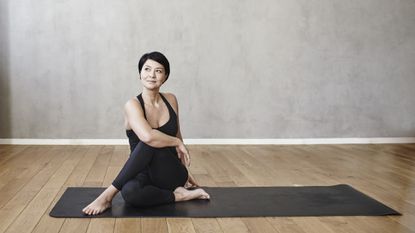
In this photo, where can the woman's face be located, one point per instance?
(152, 74)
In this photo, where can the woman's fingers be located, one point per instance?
(188, 160)
(183, 160)
(192, 181)
(183, 155)
(179, 153)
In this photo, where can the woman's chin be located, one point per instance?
(151, 87)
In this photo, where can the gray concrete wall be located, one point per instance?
(240, 69)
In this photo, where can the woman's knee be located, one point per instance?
(145, 146)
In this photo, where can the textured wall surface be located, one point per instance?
(240, 69)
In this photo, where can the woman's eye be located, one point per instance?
(147, 69)
(158, 71)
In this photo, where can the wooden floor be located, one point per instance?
(32, 179)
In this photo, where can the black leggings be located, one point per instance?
(150, 176)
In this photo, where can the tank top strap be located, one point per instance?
(140, 98)
(171, 110)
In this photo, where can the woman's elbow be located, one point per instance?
(146, 138)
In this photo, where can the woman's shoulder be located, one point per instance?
(171, 98)
(132, 103)
(132, 100)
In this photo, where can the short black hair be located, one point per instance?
(155, 56)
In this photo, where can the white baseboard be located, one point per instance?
(300, 141)
(216, 141)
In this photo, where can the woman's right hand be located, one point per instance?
(183, 154)
(191, 183)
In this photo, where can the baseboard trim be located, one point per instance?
(217, 141)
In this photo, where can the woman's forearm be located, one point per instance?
(179, 136)
(159, 139)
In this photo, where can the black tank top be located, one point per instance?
(169, 128)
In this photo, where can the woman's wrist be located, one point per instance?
(178, 142)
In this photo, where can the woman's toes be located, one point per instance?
(205, 195)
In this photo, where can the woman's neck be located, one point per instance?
(151, 96)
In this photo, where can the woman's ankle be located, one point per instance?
(109, 193)
(178, 195)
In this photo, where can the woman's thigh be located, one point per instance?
(166, 170)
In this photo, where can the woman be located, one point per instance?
(155, 173)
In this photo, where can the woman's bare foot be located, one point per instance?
(101, 203)
(182, 194)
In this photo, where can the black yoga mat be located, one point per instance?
(338, 200)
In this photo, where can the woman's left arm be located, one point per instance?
(185, 160)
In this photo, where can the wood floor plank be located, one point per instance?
(11, 152)
(196, 165)
(101, 225)
(229, 225)
(78, 179)
(259, 225)
(339, 224)
(312, 225)
(22, 170)
(75, 225)
(184, 225)
(99, 169)
(252, 168)
(120, 155)
(127, 225)
(201, 176)
(378, 224)
(285, 224)
(49, 224)
(406, 220)
(225, 224)
(96, 176)
(32, 179)
(206, 225)
(154, 225)
(11, 210)
(211, 162)
(228, 161)
(117, 160)
(30, 216)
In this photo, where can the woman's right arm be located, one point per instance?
(143, 130)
